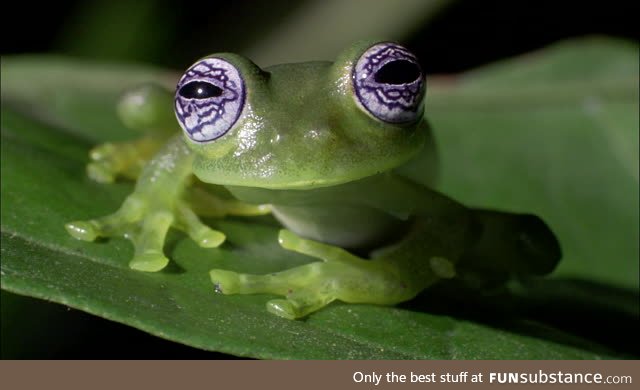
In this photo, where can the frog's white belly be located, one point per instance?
(344, 226)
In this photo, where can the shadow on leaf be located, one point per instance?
(573, 312)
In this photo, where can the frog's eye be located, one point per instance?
(389, 83)
(209, 99)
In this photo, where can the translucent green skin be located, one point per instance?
(335, 176)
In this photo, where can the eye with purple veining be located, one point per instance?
(389, 83)
(209, 99)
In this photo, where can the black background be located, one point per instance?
(463, 35)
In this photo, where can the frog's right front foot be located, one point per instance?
(146, 225)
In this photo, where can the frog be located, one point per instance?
(339, 153)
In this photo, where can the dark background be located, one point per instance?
(462, 35)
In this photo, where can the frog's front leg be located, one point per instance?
(121, 159)
(148, 110)
(157, 203)
(395, 275)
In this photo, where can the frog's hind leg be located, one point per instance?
(213, 204)
(307, 288)
(300, 285)
(510, 245)
(427, 253)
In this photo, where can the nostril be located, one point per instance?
(537, 243)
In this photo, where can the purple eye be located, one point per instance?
(209, 99)
(389, 83)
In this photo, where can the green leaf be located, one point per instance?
(555, 134)
(532, 142)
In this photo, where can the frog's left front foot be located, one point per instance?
(113, 159)
(310, 287)
(146, 225)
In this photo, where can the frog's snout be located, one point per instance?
(537, 244)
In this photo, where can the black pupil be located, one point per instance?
(398, 72)
(199, 90)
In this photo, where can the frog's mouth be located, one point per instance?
(301, 177)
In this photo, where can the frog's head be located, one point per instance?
(302, 125)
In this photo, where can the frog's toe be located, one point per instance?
(101, 172)
(103, 151)
(149, 262)
(103, 166)
(282, 308)
(301, 303)
(109, 225)
(442, 267)
(202, 234)
(209, 238)
(82, 230)
(226, 282)
(111, 160)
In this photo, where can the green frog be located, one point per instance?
(338, 152)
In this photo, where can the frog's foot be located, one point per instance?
(310, 287)
(126, 159)
(146, 227)
(300, 300)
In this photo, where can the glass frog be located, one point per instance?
(340, 153)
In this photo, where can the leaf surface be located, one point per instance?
(554, 133)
